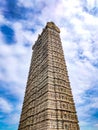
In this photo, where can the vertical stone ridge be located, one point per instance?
(48, 102)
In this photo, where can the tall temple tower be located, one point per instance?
(48, 102)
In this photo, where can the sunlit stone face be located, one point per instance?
(48, 102)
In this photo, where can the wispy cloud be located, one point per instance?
(5, 106)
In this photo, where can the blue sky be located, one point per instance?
(20, 23)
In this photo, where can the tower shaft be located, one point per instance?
(48, 102)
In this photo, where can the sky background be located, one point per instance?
(20, 23)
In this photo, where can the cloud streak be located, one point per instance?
(5, 106)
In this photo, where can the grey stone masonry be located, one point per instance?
(48, 102)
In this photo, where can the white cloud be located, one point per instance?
(14, 119)
(26, 4)
(92, 3)
(94, 103)
(5, 106)
(2, 19)
(96, 125)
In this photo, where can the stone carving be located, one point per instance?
(48, 102)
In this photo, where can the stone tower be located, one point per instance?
(48, 102)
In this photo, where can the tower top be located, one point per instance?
(52, 26)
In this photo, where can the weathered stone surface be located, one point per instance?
(48, 102)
